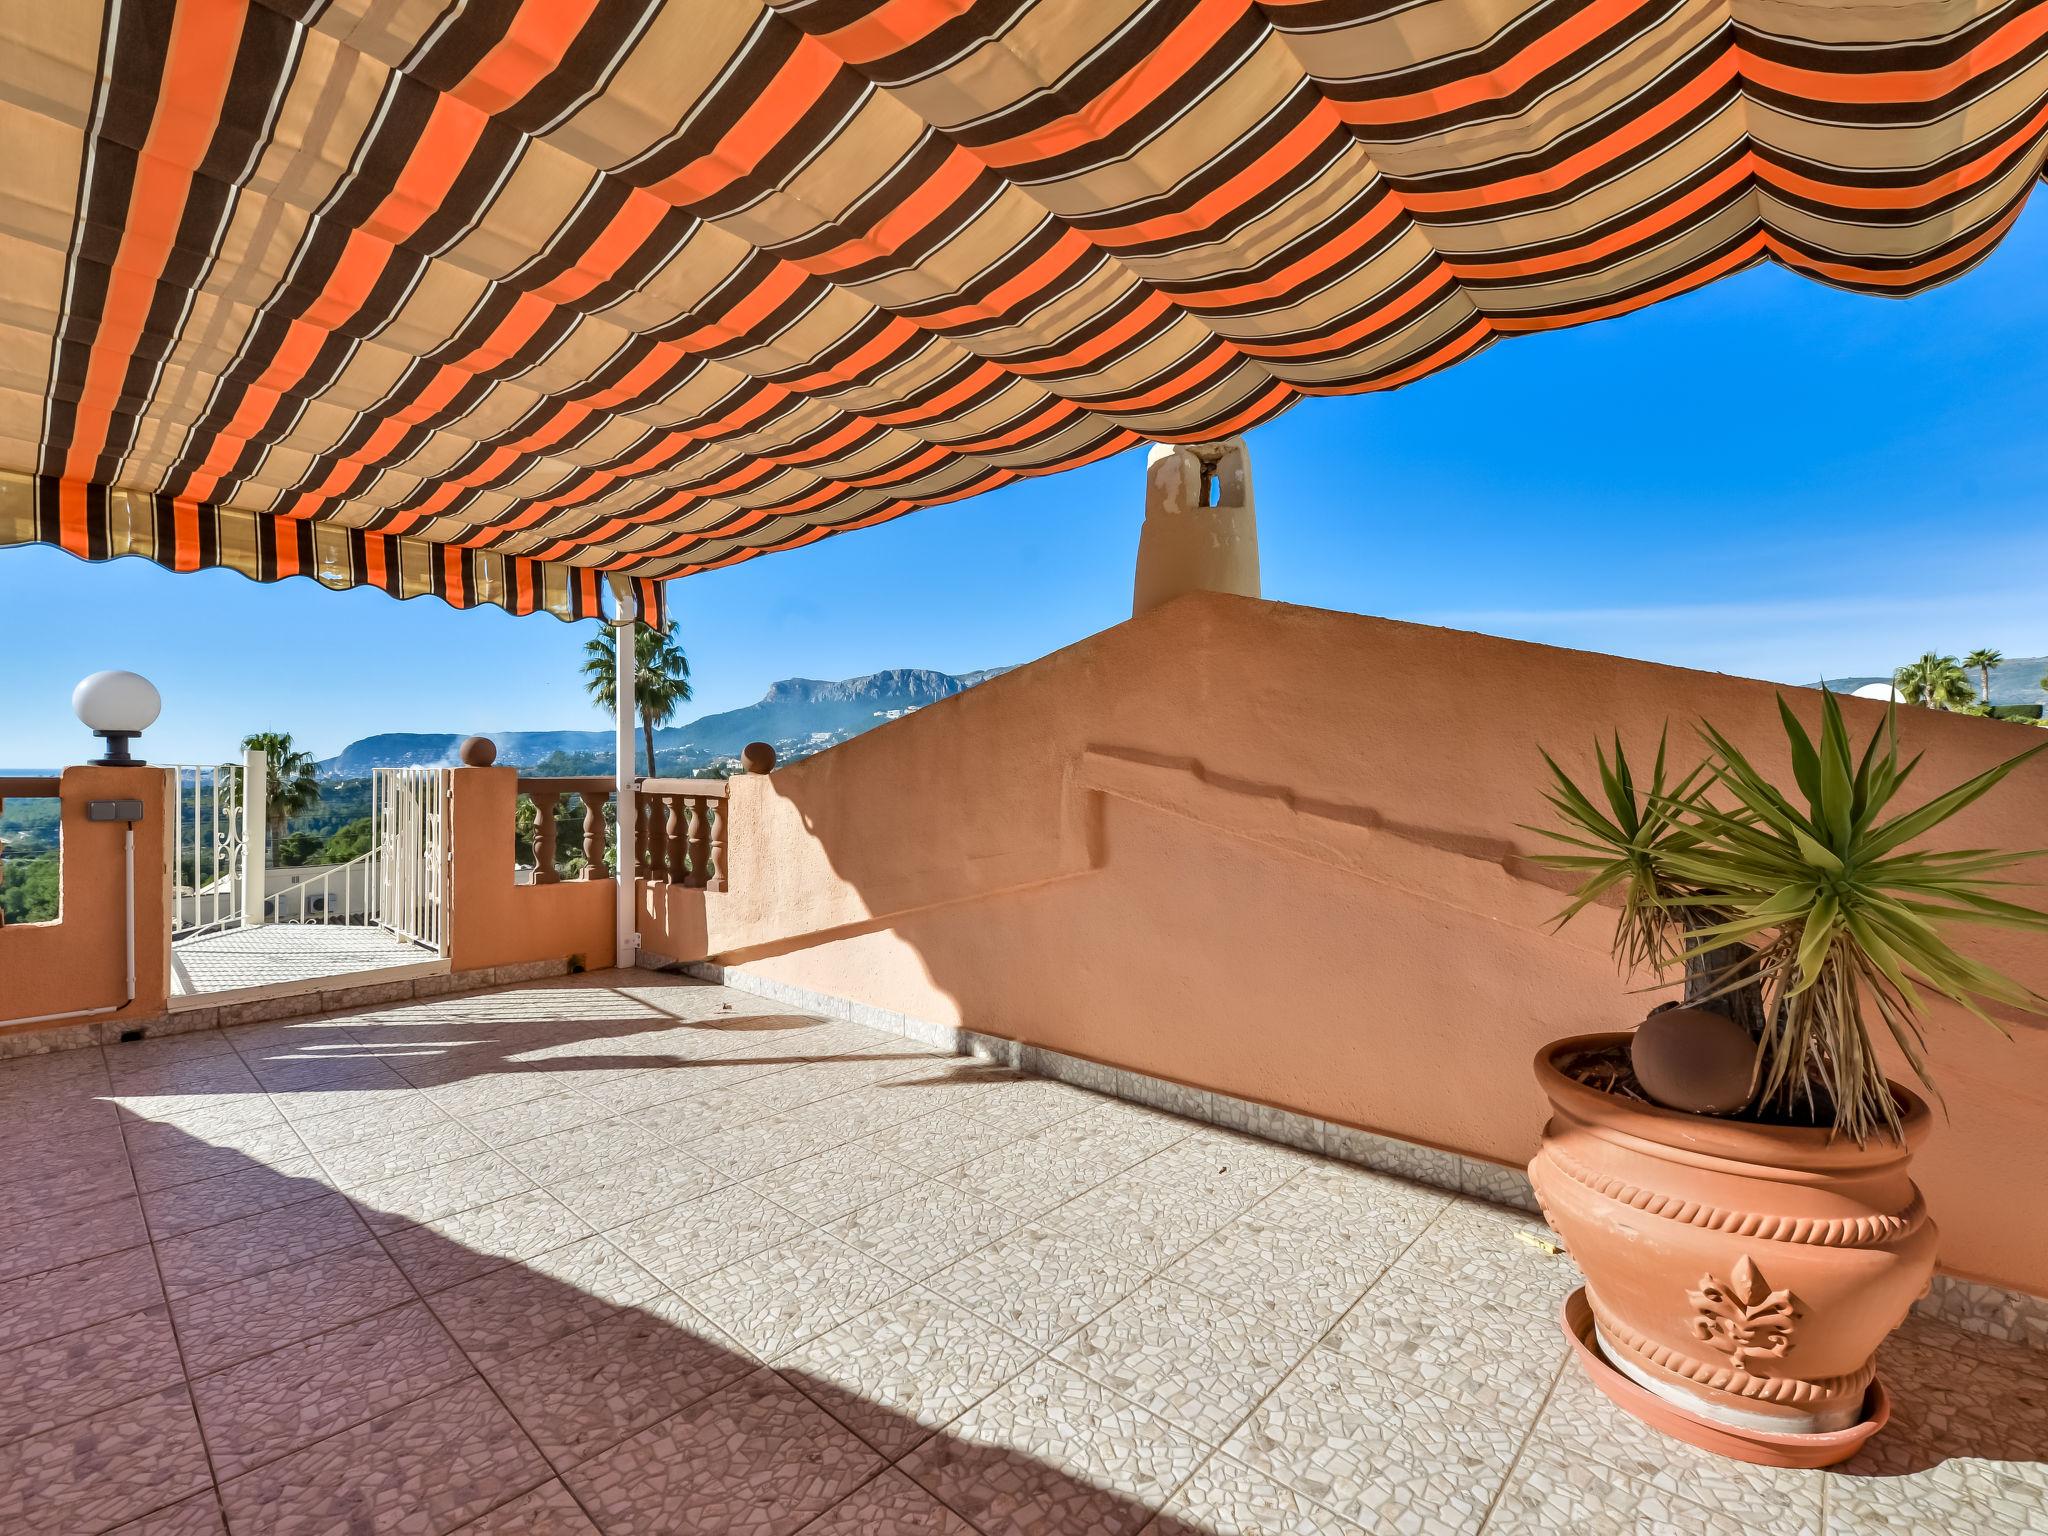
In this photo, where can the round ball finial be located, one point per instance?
(477, 752)
(758, 757)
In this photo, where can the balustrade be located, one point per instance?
(547, 796)
(682, 839)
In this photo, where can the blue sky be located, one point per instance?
(1767, 478)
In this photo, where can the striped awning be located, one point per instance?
(487, 299)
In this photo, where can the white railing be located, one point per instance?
(334, 895)
(409, 819)
(212, 854)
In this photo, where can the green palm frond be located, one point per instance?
(1838, 918)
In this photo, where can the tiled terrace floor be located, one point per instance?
(278, 955)
(638, 1255)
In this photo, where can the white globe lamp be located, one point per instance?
(117, 707)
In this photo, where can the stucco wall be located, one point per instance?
(1273, 851)
(492, 921)
(79, 961)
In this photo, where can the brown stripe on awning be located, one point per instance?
(446, 284)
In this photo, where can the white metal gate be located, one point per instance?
(409, 823)
(217, 833)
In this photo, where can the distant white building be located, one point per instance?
(1883, 692)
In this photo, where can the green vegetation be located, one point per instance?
(661, 676)
(28, 888)
(1936, 682)
(28, 876)
(293, 786)
(1828, 915)
(1984, 658)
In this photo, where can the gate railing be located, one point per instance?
(409, 822)
(217, 852)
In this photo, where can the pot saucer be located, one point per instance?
(1752, 1445)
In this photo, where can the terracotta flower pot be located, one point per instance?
(1744, 1273)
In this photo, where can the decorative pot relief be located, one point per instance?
(1743, 1317)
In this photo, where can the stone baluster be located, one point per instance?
(700, 839)
(544, 803)
(716, 882)
(675, 832)
(593, 834)
(646, 847)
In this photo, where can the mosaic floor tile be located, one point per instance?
(751, 1150)
(428, 1466)
(452, 1249)
(273, 1145)
(442, 1190)
(1222, 1169)
(1026, 1177)
(1495, 1255)
(1029, 1104)
(1185, 1357)
(74, 1376)
(1042, 1453)
(612, 1196)
(935, 1142)
(274, 1239)
(37, 1307)
(1375, 1450)
(901, 1370)
(267, 1407)
(1577, 1418)
(924, 1228)
(1292, 1279)
(891, 1505)
(52, 1242)
(545, 1116)
(196, 1516)
(758, 1459)
(1038, 1284)
(1494, 1360)
(550, 1510)
(1227, 1498)
(1330, 1199)
(121, 1463)
(1558, 1488)
(39, 1188)
(1141, 1222)
(588, 1390)
(833, 1183)
(386, 1157)
(555, 1155)
(405, 1112)
(334, 1400)
(249, 1317)
(792, 1293)
(250, 1189)
(685, 1242)
(522, 1306)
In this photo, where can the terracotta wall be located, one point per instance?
(1273, 851)
(494, 922)
(80, 960)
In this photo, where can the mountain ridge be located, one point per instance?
(796, 714)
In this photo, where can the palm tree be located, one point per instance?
(1984, 659)
(661, 677)
(1938, 682)
(292, 781)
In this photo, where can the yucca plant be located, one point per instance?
(1800, 914)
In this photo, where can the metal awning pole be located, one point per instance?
(625, 679)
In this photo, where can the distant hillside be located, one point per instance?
(2016, 680)
(797, 715)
